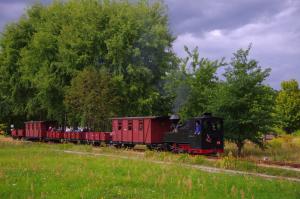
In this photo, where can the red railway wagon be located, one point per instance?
(54, 135)
(14, 133)
(17, 133)
(49, 135)
(58, 135)
(20, 133)
(36, 129)
(97, 136)
(139, 130)
(66, 135)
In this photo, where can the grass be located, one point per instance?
(283, 148)
(32, 170)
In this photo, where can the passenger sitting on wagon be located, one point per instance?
(68, 129)
(198, 128)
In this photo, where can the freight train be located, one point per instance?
(199, 135)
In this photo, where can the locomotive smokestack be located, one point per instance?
(175, 119)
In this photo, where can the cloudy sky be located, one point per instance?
(220, 27)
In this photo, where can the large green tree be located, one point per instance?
(49, 45)
(287, 106)
(244, 101)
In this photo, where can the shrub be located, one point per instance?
(228, 162)
(183, 158)
(276, 143)
(296, 133)
(199, 159)
(296, 141)
(279, 131)
(3, 128)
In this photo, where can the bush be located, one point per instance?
(296, 142)
(183, 158)
(276, 143)
(3, 128)
(279, 131)
(296, 133)
(199, 159)
(228, 162)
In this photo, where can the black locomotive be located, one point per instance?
(200, 135)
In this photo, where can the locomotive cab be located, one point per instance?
(200, 135)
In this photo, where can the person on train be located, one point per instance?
(198, 128)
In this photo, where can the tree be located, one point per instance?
(287, 106)
(193, 84)
(42, 52)
(91, 99)
(244, 101)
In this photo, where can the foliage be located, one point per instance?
(3, 128)
(287, 106)
(244, 101)
(91, 99)
(296, 133)
(42, 52)
(193, 84)
(278, 131)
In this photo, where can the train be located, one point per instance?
(199, 135)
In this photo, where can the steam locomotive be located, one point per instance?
(199, 135)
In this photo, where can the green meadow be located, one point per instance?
(35, 170)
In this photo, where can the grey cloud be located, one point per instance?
(275, 38)
(200, 16)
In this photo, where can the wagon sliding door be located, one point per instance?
(136, 131)
(147, 131)
(140, 131)
(129, 131)
(117, 130)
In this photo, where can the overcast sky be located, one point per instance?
(220, 27)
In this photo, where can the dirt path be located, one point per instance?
(279, 167)
(200, 167)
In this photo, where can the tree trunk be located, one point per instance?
(240, 145)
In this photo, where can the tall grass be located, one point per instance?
(283, 148)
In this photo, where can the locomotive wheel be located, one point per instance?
(150, 147)
(117, 146)
(166, 147)
(129, 146)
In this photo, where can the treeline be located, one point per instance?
(82, 62)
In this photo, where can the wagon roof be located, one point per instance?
(34, 121)
(141, 117)
(39, 121)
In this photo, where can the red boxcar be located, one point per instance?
(20, 133)
(36, 129)
(140, 130)
(97, 136)
(17, 133)
(49, 135)
(14, 133)
(58, 135)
